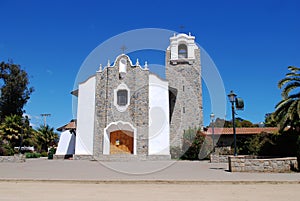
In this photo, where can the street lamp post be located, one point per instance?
(232, 99)
(212, 118)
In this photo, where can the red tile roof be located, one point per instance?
(241, 131)
(69, 126)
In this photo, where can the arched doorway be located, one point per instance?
(121, 142)
(125, 133)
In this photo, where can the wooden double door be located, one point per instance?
(121, 142)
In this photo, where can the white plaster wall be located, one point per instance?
(66, 144)
(174, 51)
(85, 117)
(191, 50)
(159, 130)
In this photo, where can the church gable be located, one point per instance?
(122, 93)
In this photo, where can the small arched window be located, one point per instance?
(182, 51)
(122, 97)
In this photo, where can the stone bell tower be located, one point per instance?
(183, 72)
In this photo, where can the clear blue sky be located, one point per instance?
(251, 43)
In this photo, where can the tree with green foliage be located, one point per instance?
(15, 131)
(287, 111)
(11, 129)
(261, 144)
(220, 123)
(270, 120)
(246, 124)
(239, 122)
(14, 90)
(269, 144)
(46, 137)
(29, 134)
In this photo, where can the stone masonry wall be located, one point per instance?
(137, 80)
(12, 159)
(216, 158)
(187, 113)
(244, 164)
(220, 155)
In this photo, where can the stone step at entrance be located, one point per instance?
(124, 157)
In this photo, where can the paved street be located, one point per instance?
(42, 179)
(80, 170)
(37, 191)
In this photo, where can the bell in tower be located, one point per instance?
(182, 49)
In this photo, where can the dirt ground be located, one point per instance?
(39, 190)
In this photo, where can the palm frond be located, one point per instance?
(292, 75)
(294, 96)
(293, 68)
(288, 88)
(283, 104)
(284, 122)
(287, 111)
(292, 109)
(286, 80)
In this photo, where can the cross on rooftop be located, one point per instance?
(123, 48)
(181, 27)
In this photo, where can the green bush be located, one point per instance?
(6, 150)
(51, 153)
(262, 144)
(32, 155)
(44, 154)
(268, 144)
(52, 150)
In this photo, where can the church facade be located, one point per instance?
(125, 111)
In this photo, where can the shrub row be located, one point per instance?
(32, 155)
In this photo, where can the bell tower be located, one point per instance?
(183, 72)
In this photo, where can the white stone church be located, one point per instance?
(126, 111)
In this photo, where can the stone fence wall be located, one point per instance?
(12, 159)
(216, 158)
(248, 164)
(220, 155)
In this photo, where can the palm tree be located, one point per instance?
(46, 137)
(11, 130)
(287, 111)
(16, 131)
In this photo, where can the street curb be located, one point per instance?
(180, 182)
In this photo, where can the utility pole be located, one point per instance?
(45, 118)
